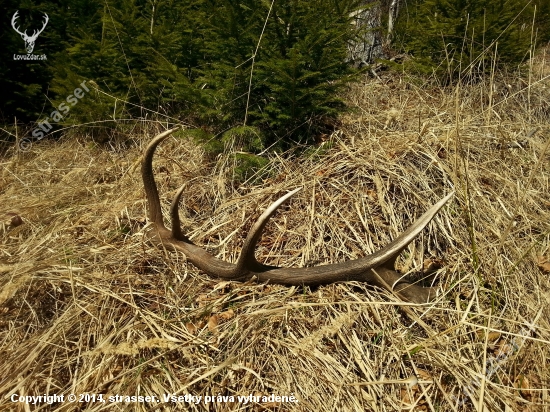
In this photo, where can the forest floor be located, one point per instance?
(88, 306)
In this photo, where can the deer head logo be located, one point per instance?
(29, 40)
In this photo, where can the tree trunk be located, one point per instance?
(373, 43)
(392, 17)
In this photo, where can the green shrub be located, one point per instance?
(461, 38)
(211, 145)
(249, 166)
(197, 60)
(244, 138)
(298, 71)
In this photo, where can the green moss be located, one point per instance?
(211, 145)
(244, 138)
(250, 166)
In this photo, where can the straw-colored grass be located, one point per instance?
(89, 306)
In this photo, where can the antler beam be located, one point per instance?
(376, 269)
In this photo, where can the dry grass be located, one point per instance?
(89, 306)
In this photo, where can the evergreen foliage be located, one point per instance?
(249, 166)
(219, 64)
(244, 138)
(460, 38)
(298, 70)
(123, 52)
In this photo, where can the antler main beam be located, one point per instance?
(376, 269)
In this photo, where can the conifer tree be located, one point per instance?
(277, 67)
(461, 37)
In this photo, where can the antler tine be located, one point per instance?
(247, 259)
(376, 269)
(175, 216)
(389, 253)
(151, 191)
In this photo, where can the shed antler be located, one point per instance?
(376, 269)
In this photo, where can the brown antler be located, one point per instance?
(376, 269)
